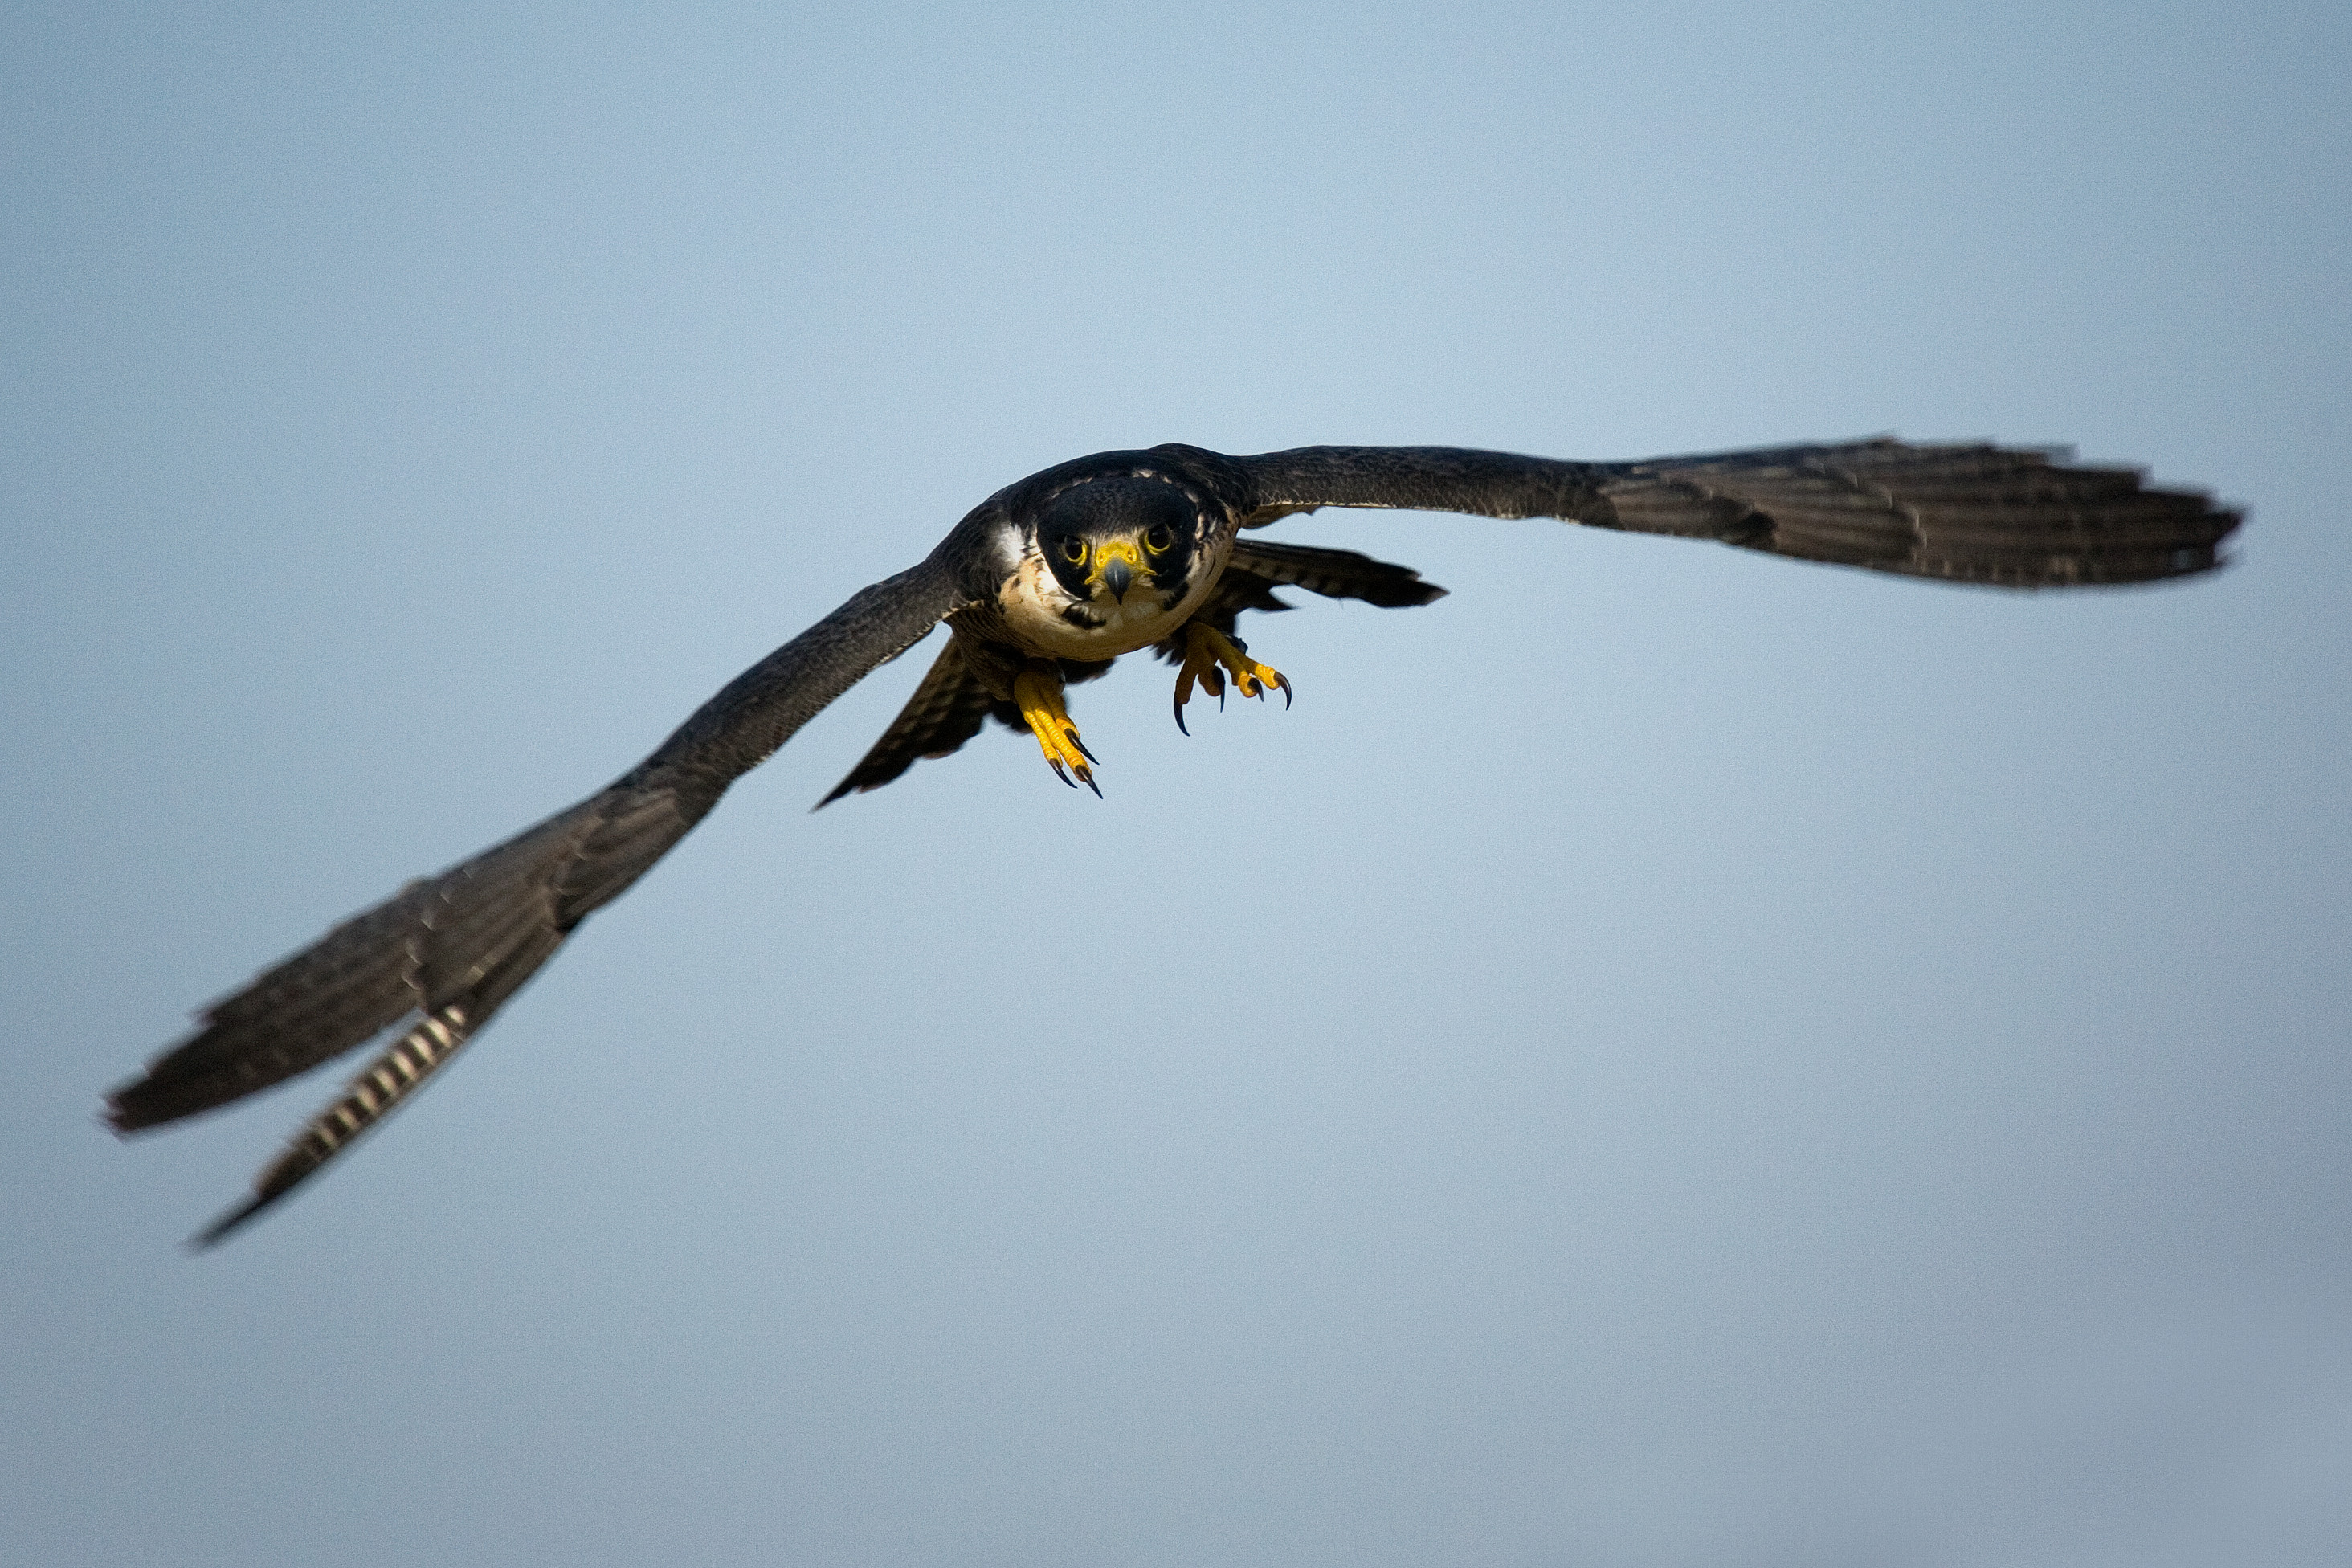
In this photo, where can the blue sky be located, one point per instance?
(1664, 1058)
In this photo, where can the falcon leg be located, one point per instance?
(1037, 690)
(1206, 649)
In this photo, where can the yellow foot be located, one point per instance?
(1039, 693)
(1205, 649)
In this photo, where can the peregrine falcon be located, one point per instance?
(1042, 586)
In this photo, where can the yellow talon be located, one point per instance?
(1038, 693)
(1206, 649)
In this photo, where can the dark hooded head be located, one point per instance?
(1119, 535)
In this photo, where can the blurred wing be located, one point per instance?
(1969, 513)
(442, 954)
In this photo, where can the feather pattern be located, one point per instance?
(379, 1090)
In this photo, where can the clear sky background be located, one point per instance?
(1666, 1058)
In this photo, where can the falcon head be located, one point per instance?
(1123, 536)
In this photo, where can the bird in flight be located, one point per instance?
(1042, 586)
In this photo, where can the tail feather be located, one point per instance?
(385, 1085)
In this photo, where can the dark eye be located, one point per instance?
(1074, 550)
(1160, 537)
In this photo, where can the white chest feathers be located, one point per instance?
(1046, 619)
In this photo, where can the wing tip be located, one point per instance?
(122, 1113)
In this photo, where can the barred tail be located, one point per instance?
(366, 1101)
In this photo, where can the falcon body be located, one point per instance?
(1042, 586)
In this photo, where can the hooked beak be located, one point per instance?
(1115, 575)
(1115, 564)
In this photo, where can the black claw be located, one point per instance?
(1179, 716)
(1286, 693)
(1081, 745)
(1093, 786)
(1059, 772)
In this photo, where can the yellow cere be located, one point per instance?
(1116, 550)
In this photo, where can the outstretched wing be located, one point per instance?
(1972, 512)
(442, 954)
